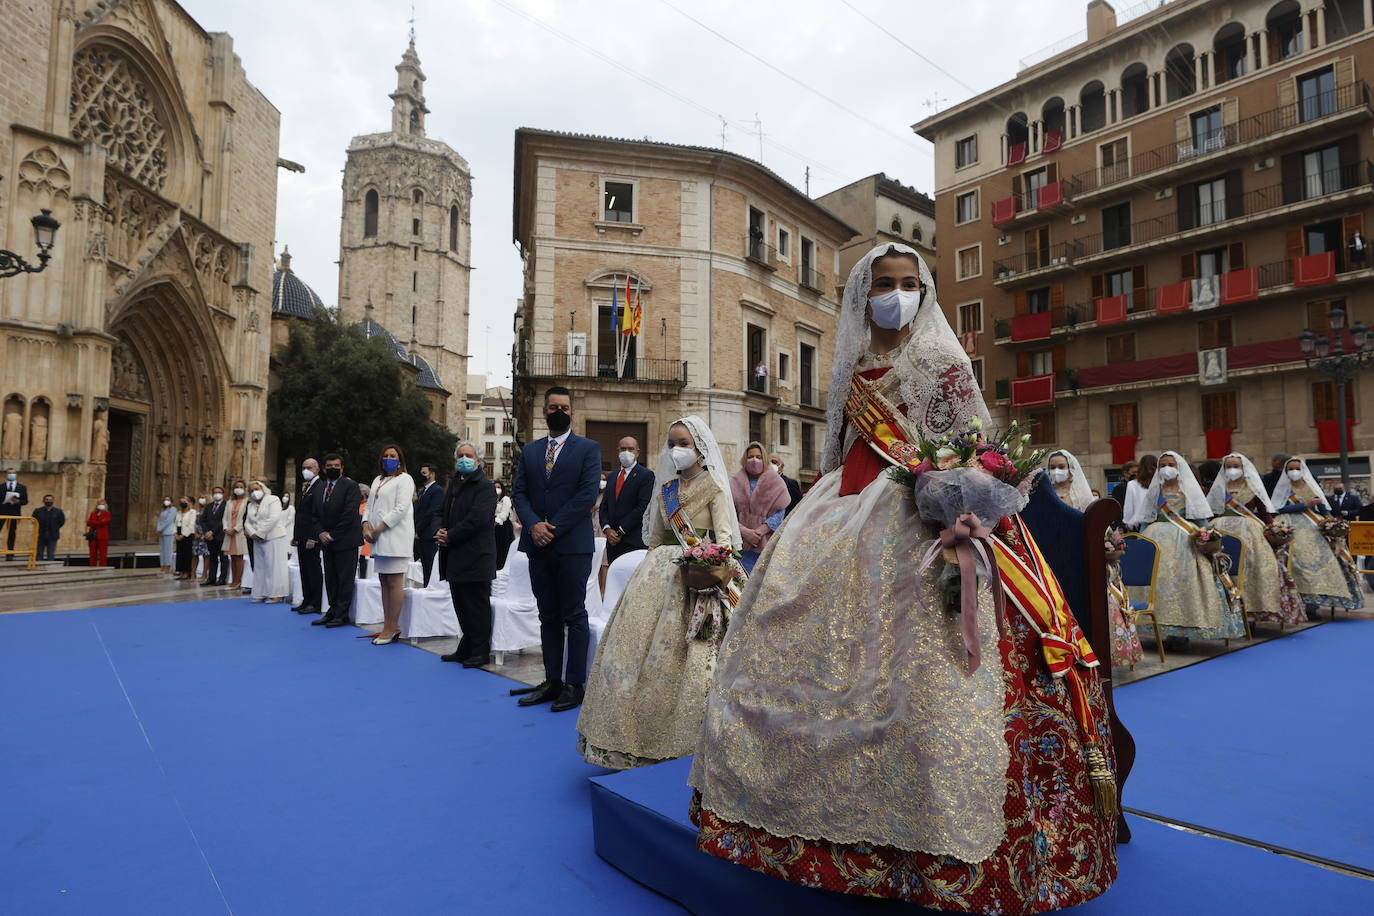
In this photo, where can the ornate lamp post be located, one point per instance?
(1331, 360)
(44, 234)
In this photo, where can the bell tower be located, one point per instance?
(408, 101)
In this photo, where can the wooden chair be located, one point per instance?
(1138, 567)
(1233, 549)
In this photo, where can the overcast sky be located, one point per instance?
(328, 66)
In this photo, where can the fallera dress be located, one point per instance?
(1268, 594)
(1190, 600)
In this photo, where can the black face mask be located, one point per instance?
(558, 422)
(333, 473)
(185, 505)
(47, 502)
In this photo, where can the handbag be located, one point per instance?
(89, 535)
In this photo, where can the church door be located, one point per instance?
(117, 466)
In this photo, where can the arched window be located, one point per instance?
(916, 233)
(896, 224)
(453, 228)
(1052, 114)
(418, 196)
(1018, 133)
(1135, 90)
(1093, 107)
(414, 121)
(370, 214)
(1180, 77)
(1231, 48)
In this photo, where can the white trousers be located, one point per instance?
(270, 578)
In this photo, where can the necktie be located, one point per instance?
(548, 456)
(329, 491)
(620, 482)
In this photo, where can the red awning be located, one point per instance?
(1329, 435)
(1053, 140)
(1140, 370)
(1016, 155)
(1123, 449)
(1240, 286)
(1035, 326)
(1218, 442)
(1111, 310)
(1173, 298)
(1033, 391)
(1003, 211)
(1314, 269)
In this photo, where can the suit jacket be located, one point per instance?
(50, 522)
(794, 493)
(1270, 480)
(429, 511)
(1347, 506)
(467, 510)
(339, 514)
(1119, 492)
(212, 520)
(17, 487)
(306, 526)
(625, 513)
(563, 498)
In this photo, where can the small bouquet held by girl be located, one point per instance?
(1207, 540)
(1333, 527)
(1277, 535)
(708, 569)
(1114, 543)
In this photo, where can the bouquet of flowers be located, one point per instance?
(1002, 457)
(1277, 535)
(1334, 527)
(1207, 540)
(1115, 544)
(708, 566)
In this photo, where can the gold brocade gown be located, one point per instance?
(1261, 581)
(1189, 598)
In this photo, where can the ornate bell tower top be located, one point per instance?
(408, 101)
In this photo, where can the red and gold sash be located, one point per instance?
(1343, 551)
(880, 424)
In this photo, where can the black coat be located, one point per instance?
(1119, 492)
(307, 526)
(429, 512)
(794, 493)
(50, 522)
(339, 515)
(212, 520)
(12, 508)
(625, 514)
(468, 514)
(1270, 480)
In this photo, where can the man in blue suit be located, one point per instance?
(556, 483)
(429, 516)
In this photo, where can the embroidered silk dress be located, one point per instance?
(1190, 600)
(1320, 577)
(646, 693)
(1267, 593)
(846, 748)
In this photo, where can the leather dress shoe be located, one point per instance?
(477, 661)
(321, 621)
(546, 692)
(298, 607)
(570, 698)
(336, 622)
(453, 657)
(306, 609)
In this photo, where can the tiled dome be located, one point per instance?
(290, 295)
(373, 329)
(427, 378)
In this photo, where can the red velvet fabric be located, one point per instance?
(1003, 211)
(1264, 353)
(1111, 310)
(1173, 298)
(1329, 435)
(1016, 155)
(1240, 285)
(1053, 140)
(1314, 269)
(1140, 370)
(1218, 442)
(1051, 195)
(1123, 449)
(1033, 391)
(1033, 326)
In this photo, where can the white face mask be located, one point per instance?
(1168, 472)
(1295, 475)
(1059, 475)
(217, 497)
(257, 495)
(238, 491)
(603, 484)
(627, 459)
(307, 475)
(1235, 473)
(683, 458)
(894, 309)
(166, 502)
(201, 501)
(101, 507)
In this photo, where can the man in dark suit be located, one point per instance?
(14, 496)
(1127, 475)
(429, 512)
(212, 523)
(556, 482)
(305, 535)
(794, 493)
(468, 558)
(623, 502)
(1344, 503)
(1271, 480)
(340, 536)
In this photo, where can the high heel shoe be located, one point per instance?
(379, 641)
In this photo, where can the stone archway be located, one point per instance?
(169, 389)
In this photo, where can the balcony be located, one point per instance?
(812, 397)
(1063, 317)
(813, 279)
(550, 366)
(1035, 390)
(1311, 192)
(1242, 360)
(1022, 269)
(1344, 103)
(761, 385)
(762, 254)
(1024, 209)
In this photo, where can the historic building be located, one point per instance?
(495, 428)
(1137, 228)
(884, 210)
(405, 240)
(734, 267)
(135, 365)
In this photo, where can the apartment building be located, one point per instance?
(1140, 224)
(884, 210)
(736, 273)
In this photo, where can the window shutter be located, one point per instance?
(1021, 306)
(1235, 199)
(1022, 365)
(1016, 187)
(1187, 268)
(1288, 87)
(1051, 173)
(1293, 244)
(1186, 195)
(1344, 69)
(1056, 297)
(1058, 358)
(1183, 128)
(1291, 172)
(1097, 286)
(1350, 225)
(1236, 255)
(1350, 154)
(1138, 278)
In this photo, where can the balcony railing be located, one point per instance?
(1034, 262)
(812, 279)
(811, 396)
(1042, 200)
(581, 365)
(1339, 100)
(762, 253)
(754, 383)
(1219, 213)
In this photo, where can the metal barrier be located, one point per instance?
(32, 551)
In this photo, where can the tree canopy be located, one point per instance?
(340, 391)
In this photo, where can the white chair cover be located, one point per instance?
(429, 611)
(617, 576)
(246, 580)
(515, 623)
(367, 593)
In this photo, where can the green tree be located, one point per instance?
(341, 391)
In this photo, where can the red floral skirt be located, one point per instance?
(1057, 852)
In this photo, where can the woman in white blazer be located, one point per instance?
(389, 527)
(265, 526)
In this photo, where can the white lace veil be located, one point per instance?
(934, 371)
(714, 464)
(1196, 507)
(1216, 497)
(1284, 488)
(1080, 494)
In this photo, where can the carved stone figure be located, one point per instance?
(236, 459)
(164, 455)
(187, 460)
(100, 438)
(38, 438)
(13, 434)
(207, 461)
(256, 462)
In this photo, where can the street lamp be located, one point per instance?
(1329, 357)
(44, 235)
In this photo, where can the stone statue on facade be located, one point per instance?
(236, 458)
(13, 434)
(100, 438)
(38, 438)
(164, 455)
(186, 462)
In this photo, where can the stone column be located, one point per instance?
(1199, 68)
(1368, 13)
(1264, 48)
(1320, 37)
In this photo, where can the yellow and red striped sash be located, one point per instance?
(880, 424)
(1343, 551)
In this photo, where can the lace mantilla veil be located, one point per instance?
(1216, 497)
(1284, 488)
(665, 470)
(1080, 494)
(1197, 509)
(934, 372)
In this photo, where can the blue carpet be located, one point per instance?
(1273, 743)
(225, 757)
(642, 826)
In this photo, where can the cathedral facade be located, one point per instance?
(135, 365)
(405, 240)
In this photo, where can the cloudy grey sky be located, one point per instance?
(491, 67)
